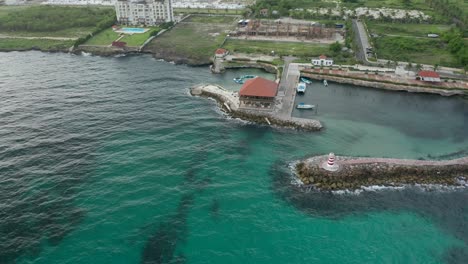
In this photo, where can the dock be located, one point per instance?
(287, 92)
(276, 111)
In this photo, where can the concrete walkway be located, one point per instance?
(289, 80)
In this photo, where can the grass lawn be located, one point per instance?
(413, 4)
(426, 51)
(138, 39)
(195, 42)
(303, 50)
(107, 36)
(103, 38)
(5, 10)
(411, 30)
(49, 21)
(42, 44)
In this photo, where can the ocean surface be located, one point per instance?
(109, 160)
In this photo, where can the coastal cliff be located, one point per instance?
(353, 173)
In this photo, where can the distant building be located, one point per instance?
(264, 12)
(428, 76)
(322, 61)
(258, 92)
(221, 53)
(144, 12)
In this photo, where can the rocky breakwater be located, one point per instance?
(354, 173)
(229, 103)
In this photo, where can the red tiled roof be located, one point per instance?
(119, 44)
(259, 87)
(322, 57)
(431, 74)
(221, 51)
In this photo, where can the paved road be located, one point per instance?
(360, 37)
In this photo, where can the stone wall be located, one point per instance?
(386, 86)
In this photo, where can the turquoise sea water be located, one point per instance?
(109, 160)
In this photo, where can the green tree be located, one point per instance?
(335, 48)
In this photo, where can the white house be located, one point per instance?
(322, 61)
(144, 12)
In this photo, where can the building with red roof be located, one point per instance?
(258, 92)
(220, 53)
(428, 76)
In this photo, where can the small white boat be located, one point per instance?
(325, 82)
(301, 87)
(305, 106)
(305, 80)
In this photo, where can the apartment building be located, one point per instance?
(144, 12)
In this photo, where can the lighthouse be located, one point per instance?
(330, 164)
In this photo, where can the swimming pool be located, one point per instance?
(132, 30)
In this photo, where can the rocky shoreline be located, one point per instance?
(355, 173)
(177, 59)
(229, 102)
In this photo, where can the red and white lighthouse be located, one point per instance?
(330, 164)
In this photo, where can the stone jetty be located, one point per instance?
(329, 172)
(229, 102)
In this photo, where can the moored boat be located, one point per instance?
(305, 106)
(241, 79)
(306, 80)
(301, 87)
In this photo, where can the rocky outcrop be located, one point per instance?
(355, 173)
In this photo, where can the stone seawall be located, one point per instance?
(229, 103)
(385, 86)
(354, 173)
